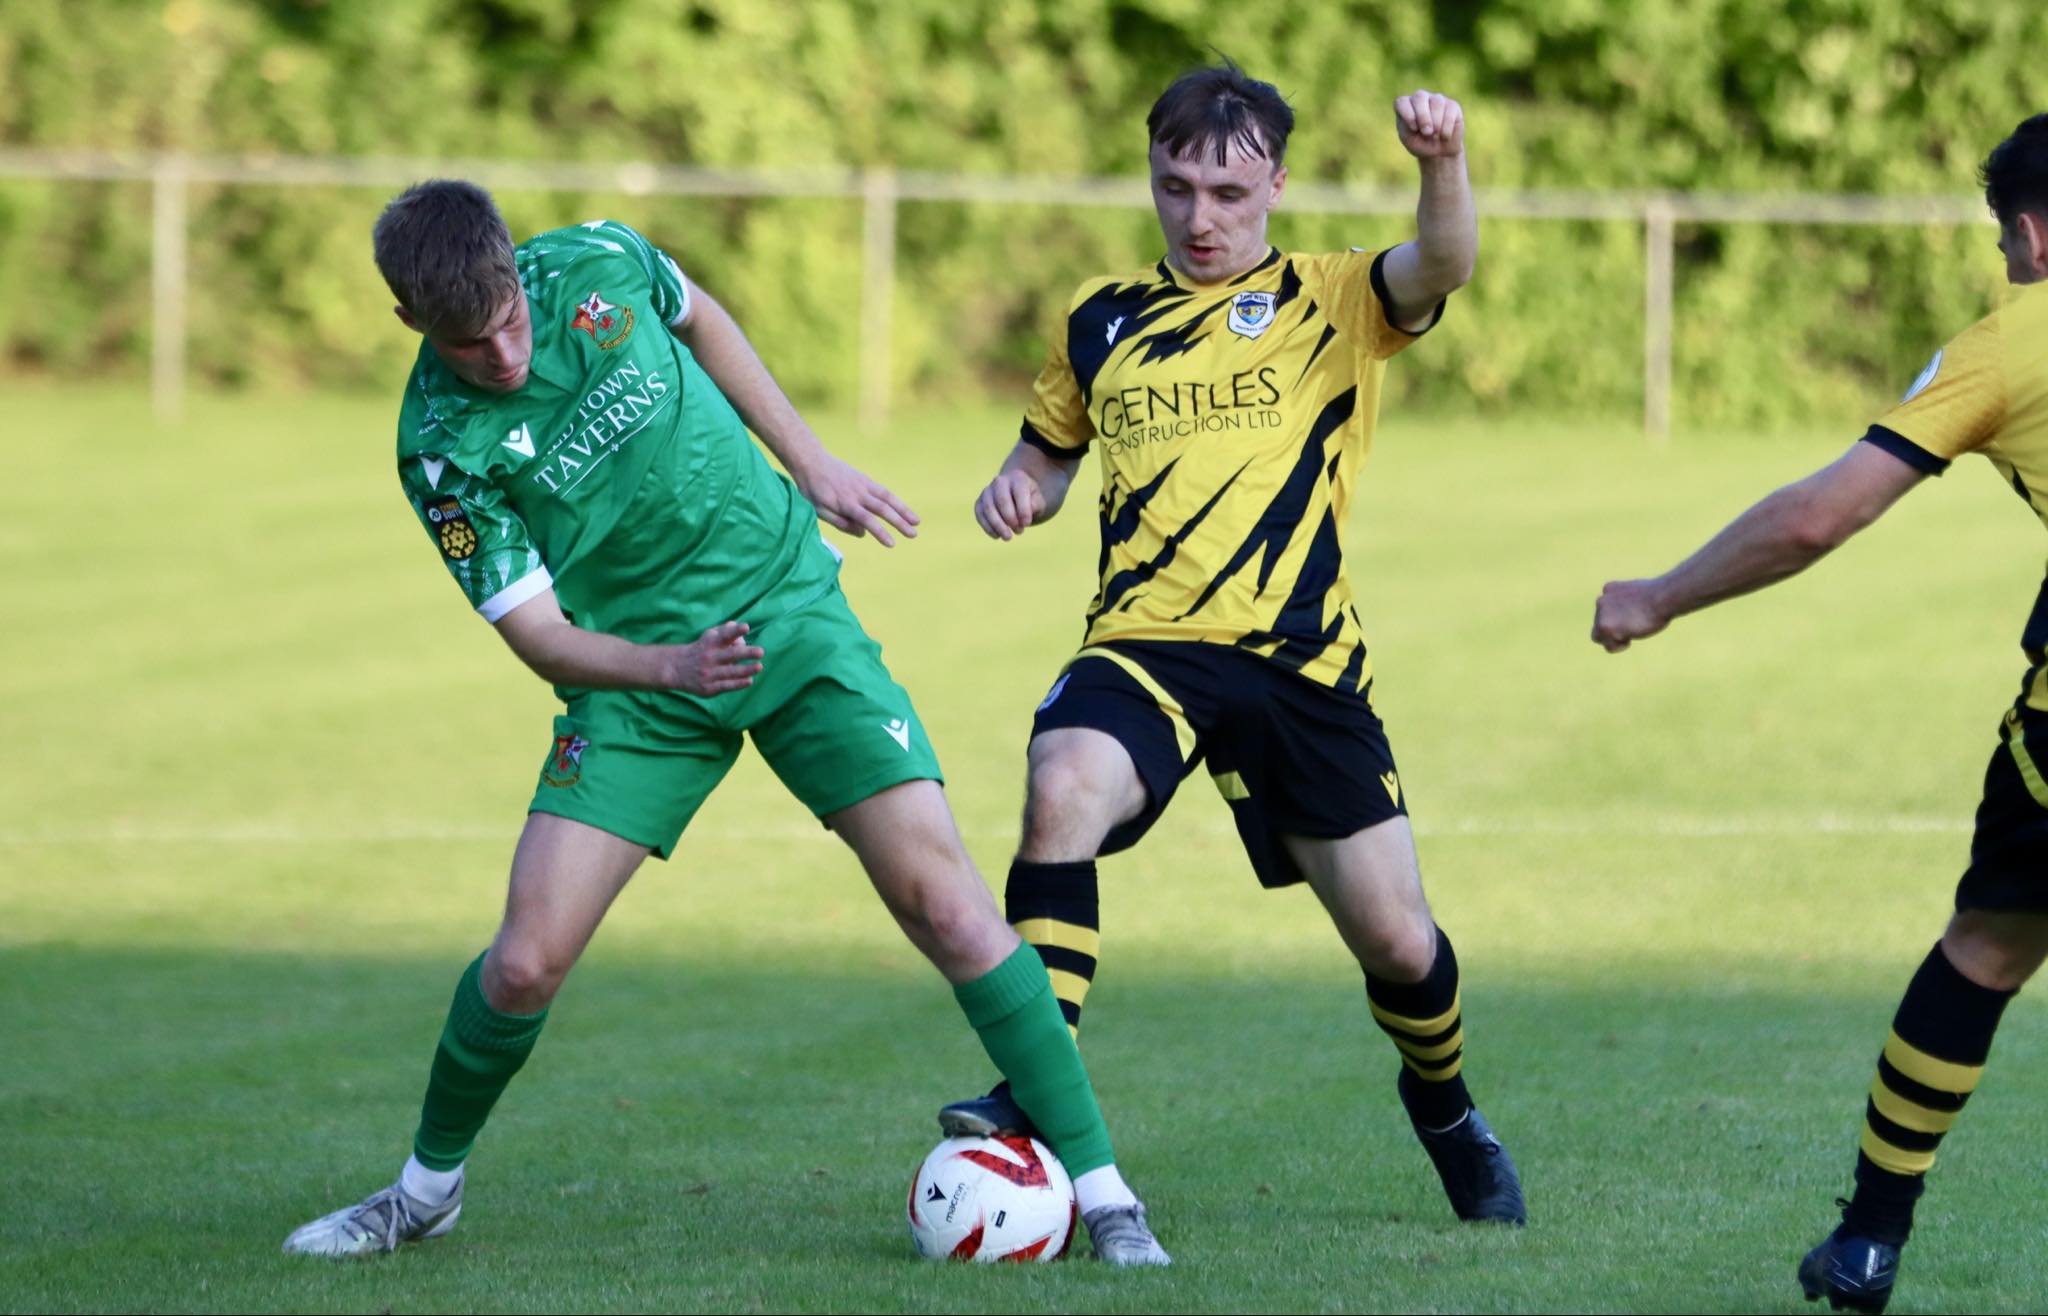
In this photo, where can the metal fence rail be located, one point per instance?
(882, 191)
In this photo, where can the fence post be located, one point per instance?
(167, 288)
(1657, 260)
(877, 292)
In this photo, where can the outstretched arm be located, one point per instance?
(845, 498)
(1438, 261)
(1028, 490)
(1787, 532)
(563, 653)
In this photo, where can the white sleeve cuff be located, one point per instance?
(681, 283)
(530, 585)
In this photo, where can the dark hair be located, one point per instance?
(444, 249)
(1209, 108)
(2015, 174)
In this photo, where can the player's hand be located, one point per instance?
(1628, 611)
(1010, 505)
(720, 660)
(848, 500)
(1432, 126)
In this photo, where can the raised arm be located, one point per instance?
(1438, 260)
(563, 653)
(1026, 491)
(1787, 532)
(845, 498)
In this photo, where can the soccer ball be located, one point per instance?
(992, 1199)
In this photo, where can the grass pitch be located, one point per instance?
(265, 771)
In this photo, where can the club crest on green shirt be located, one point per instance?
(610, 325)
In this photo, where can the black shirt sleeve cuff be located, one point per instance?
(1907, 451)
(1379, 288)
(1029, 434)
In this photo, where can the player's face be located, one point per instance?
(494, 358)
(2025, 244)
(1214, 215)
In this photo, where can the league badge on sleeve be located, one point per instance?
(610, 325)
(452, 529)
(1251, 313)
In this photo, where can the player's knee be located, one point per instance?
(1397, 950)
(1998, 951)
(961, 936)
(959, 927)
(521, 978)
(1068, 800)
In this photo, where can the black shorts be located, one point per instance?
(1292, 757)
(2009, 853)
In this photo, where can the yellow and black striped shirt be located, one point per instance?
(1987, 391)
(1231, 420)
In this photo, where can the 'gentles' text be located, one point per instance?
(1144, 414)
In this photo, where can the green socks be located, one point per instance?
(1011, 1006)
(1013, 1009)
(481, 1049)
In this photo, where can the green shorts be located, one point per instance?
(824, 712)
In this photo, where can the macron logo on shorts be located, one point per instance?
(899, 731)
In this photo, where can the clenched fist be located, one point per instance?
(1432, 126)
(1628, 611)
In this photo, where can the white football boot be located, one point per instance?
(378, 1223)
(1122, 1238)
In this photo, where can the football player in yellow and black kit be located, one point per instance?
(1986, 391)
(1230, 393)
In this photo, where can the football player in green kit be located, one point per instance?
(574, 439)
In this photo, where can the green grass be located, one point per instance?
(264, 771)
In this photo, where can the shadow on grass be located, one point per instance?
(737, 1136)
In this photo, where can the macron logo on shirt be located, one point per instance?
(521, 441)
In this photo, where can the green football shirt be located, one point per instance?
(617, 474)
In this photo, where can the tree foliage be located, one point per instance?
(1774, 322)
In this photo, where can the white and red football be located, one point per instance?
(992, 1199)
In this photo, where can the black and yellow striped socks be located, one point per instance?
(1940, 1039)
(1427, 1026)
(1055, 908)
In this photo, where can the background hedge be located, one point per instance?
(1775, 323)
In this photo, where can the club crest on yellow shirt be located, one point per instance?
(1250, 313)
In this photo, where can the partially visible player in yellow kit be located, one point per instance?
(1986, 392)
(1230, 393)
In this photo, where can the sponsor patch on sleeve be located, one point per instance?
(452, 529)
